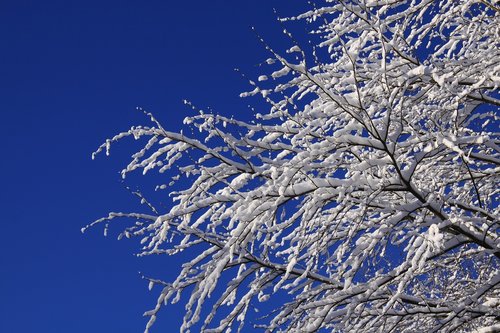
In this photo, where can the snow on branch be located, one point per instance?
(365, 198)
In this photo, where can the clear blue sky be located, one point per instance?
(71, 75)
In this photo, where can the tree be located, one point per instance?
(364, 199)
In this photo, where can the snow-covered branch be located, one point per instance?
(364, 198)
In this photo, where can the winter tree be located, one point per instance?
(364, 195)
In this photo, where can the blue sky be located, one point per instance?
(71, 75)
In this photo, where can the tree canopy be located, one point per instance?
(362, 198)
